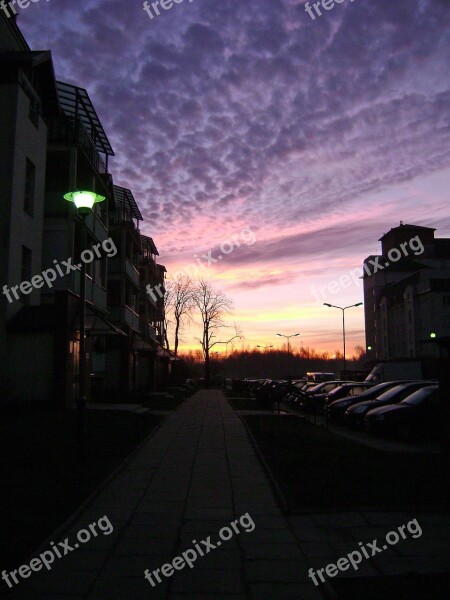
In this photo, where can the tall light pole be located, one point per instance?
(343, 308)
(288, 337)
(84, 202)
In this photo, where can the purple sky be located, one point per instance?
(224, 114)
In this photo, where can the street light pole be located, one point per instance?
(288, 337)
(84, 202)
(81, 400)
(343, 308)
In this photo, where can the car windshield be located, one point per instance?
(316, 388)
(341, 388)
(420, 396)
(391, 393)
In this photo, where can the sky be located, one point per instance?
(304, 140)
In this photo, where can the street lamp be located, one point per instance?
(343, 325)
(288, 337)
(84, 202)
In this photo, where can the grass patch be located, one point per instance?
(243, 403)
(316, 469)
(42, 483)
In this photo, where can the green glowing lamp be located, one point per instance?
(83, 200)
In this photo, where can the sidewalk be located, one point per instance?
(192, 477)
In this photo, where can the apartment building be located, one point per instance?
(407, 301)
(53, 143)
(151, 310)
(123, 292)
(27, 94)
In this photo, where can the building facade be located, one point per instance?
(53, 143)
(407, 295)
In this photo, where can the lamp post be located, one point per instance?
(288, 337)
(343, 308)
(264, 348)
(84, 202)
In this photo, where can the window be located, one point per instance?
(28, 83)
(26, 269)
(33, 113)
(30, 180)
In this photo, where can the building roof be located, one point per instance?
(146, 240)
(75, 102)
(124, 199)
(406, 228)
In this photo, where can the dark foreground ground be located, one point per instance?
(42, 481)
(198, 480)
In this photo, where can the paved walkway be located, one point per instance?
(195, 475)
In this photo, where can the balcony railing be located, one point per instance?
(148, 332)
(132, 272)
(124, 315)
(66, 129)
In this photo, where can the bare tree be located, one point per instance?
(179, 302)
(212, 305)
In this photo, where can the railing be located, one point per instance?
(122, 216)
(147, 331)
(124, 315)
(132, 272)
(71, 129)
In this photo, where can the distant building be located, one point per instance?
(407, 294)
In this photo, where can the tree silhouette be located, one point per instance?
(212, 305)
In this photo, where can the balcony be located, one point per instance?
(70, 130)
(124, 315)
(118, 265)
(148, 332)
(132, 273)
(94, 293)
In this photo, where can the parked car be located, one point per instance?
(348, 390)
(314, 400)
(279, 389)
(416, 416)
(298, 391)
(319, 377)
(392, 396)
(336, 409)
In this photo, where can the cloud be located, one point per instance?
(236, 112)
